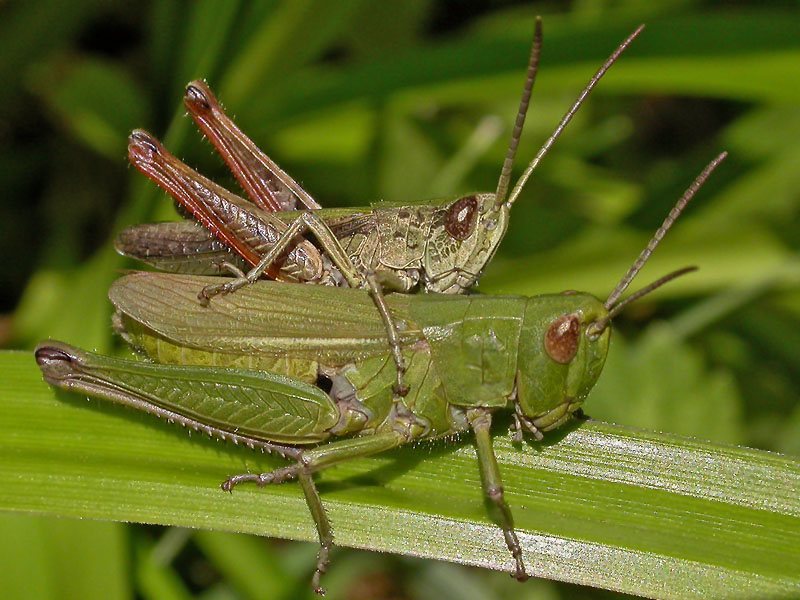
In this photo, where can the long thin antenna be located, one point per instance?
(508, 163)
(596, 328)
(647, 289)
(568, 117)
(665, 226)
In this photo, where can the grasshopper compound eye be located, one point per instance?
(459, 222)
(562, 337)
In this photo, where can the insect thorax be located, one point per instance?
(403, 232)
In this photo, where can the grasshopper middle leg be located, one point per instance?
(481, 421)
(316, 459)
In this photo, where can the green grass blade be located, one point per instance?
(601, 505)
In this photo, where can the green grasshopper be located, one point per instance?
(439, 245)
(273, 345)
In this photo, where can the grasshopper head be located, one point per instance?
(463, 240)
(564, 338)
(470, 229)
(560, 357)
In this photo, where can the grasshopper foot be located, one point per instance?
(231, 482)
(512, 542)
(519, 573)
(323, 559)
(516, 551)
(210, 291)
(261, 479)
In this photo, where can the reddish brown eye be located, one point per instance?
(461, 216)
(562, 337)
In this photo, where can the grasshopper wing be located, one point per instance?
(177, 247)
(333, 326)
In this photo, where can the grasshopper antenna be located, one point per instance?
(662, 231)
(598, 326)
(533, 68)
(612, 305)
(499, 200)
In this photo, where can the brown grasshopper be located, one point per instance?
(437, 245)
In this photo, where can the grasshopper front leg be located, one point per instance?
(480, 420)
(311, 222)
(310, 461)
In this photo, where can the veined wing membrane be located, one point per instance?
(177, 247)
(330, 325)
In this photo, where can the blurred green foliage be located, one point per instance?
(363, 101)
